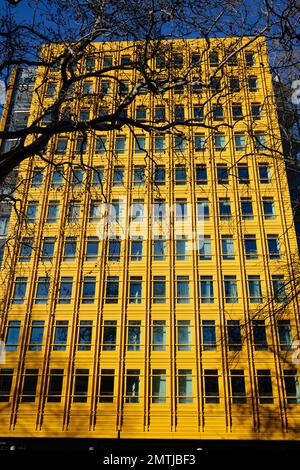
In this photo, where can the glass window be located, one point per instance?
(180, 144)
(264, 385)
(160, 113)
(106, 87)
(135, 290)
(230, 287)
(243, 174)
(119, 175)
(250, 246)
(53, 211)
(61, 146)
(36, 336)
(77, 177)
(90, 64)
(198, 113)
(206, 290)
(252, 83)
(159, 144)
(42, 292)
(225, 209)
(107, 382)
(285, 335)
(199, 142)
(159, 248)
(183, 335)
(84, 115)
(202, 209)
(37, 178)
(238, 388)
(98, 177)
(141, 113)
(184, 386)
(195, 59)
(109, 335)
(178, 89)
(114, 249)
(159, 210)
(178, 60)
(136, 250)
(159, 335)
(55, 384)
(260, 335)
(227, 244)
(26, 249)
(179, 113)
(237, 112)
(234, 337)
(81, 146)
(6, 379)
(291, 385)
(222, 174)
(101, 145)
(250, 59)
(87, 88)
(74, 212)
(65, 290)
(138, 175)
(51, 90)
(247, 208)
(70, 248)
(159, 392)
(220, 142)
(107, 61)
(19, 290)
(279, 288)
(181, 209)
(134, 335)
(180, 175)
(57, 177)
(30, 382)
(256, 111)
(264, 174)
(140, 144)
(115, 209)
(234, 84)
(5, 211)
(183, 290)
(112, 290)
(31, 214)
(218, 113)
(254, 289)
(160, 175)
(240, 142)
(211, 386)
(159, 289)
(204, 247)
(201, 174)
(132, 386)
(273, 246)
(213, 59)
(268, 208)
(60, 335)
(85, 335)
(48, 249)
(138, 210)
(95, 211)
(260, 141)
(209, 335)
(88, 290)
(12, 335)
(181, 248)
(81, 384)
(120, 145)
(92, 248)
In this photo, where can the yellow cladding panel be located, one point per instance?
(171, 326)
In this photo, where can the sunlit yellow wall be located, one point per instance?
(198, 419)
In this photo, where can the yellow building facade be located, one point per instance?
(146, 290)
